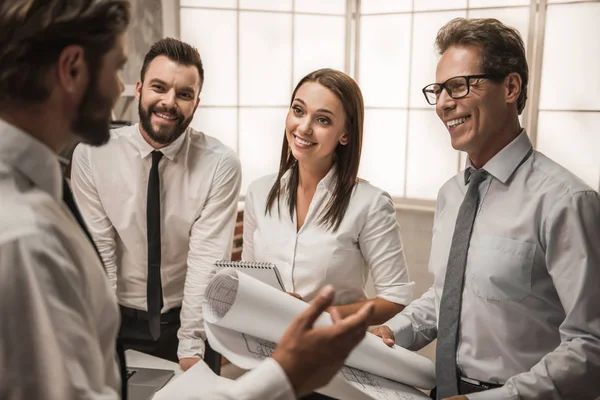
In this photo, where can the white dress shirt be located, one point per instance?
(58, 315)
(531, 311)
(308, 259)
(199, 183)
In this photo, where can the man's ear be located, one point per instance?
(197, 103)
(512, 87)
(72, 70)
(138, 90)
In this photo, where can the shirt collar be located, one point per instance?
(328, 182)
(169, 151)
(32, 158)
(506, 162)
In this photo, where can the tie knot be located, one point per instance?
(156, 156)
(477, 176)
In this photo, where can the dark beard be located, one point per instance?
(165, 135)
(92, 123)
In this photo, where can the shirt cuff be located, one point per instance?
(268, 381)
(501, 393)
(401, 325)
(191, 348)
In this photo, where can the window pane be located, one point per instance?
(384, 6)
(318, 48)
(261, 136)
(424, 57)
(572, 140)
(265, 58)
(279, 5)
(383, 153)
(213, 33)
(384, 59)
(220, 123)
(570, 70)
(209, 3)
(517, 18)
(498, 3)
(431, 158)
(322, 7)
(421, 5)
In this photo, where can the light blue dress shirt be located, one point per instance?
(531, 304)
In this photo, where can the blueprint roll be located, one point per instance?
(236, 304)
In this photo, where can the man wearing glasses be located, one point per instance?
(515, 251)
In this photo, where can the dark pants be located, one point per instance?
(135, 334)
(315, 396)
(468, 388)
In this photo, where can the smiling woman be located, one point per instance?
(335, 228)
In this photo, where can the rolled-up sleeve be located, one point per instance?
(381, 246)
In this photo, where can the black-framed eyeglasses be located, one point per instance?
(457, 87)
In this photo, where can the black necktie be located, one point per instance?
(70, 202)
(154, 286)
(450, 305)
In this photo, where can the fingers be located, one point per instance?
(385, 334)
(317, 307)
(335, 315)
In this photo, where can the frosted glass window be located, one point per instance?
(384, 60)
(571, 65)
(265, 58)
(277, 5)
(431, 158)
(220, 123)
(318, 48)
(384, 6)
(422, 5)
(498, 3)
(261, 136)
(321, 7)
(209, 3)
(213, 33)
(517, 18)
(567, 1)
(572, 140)
(384, 142)
(424, 56)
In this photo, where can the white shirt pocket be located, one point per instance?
(500, 268)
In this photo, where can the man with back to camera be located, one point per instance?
(160, 200)
(515, 253)
(60, 68)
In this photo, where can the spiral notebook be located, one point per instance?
(263, 271)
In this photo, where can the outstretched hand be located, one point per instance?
(312, 356)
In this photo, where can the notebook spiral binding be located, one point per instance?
(244, 264)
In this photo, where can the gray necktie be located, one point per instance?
(449, 318)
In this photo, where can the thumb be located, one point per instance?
(316, 308)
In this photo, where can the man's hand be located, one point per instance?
(385, 333)
(311, 356)
(187, 363)
(457, 398)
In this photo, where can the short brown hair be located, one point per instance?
(176, 50)
(502, 47)
(35, 32)
(347, 157)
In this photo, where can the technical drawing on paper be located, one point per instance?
(375, 386)
(259, 348)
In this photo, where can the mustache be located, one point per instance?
(164, 110)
